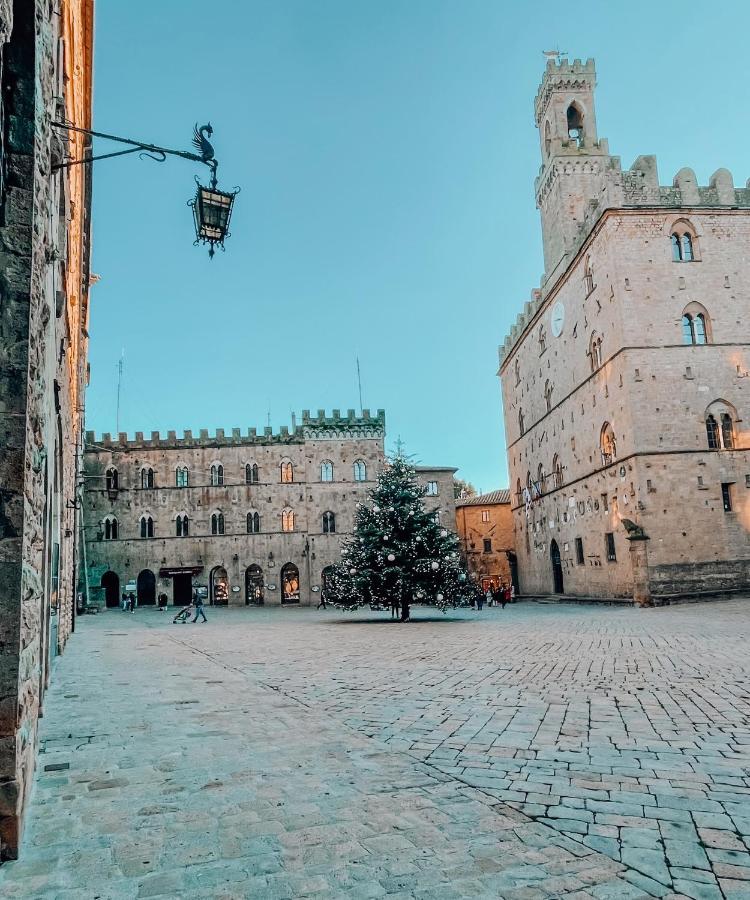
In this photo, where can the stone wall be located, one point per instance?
(43, 278)
(619, 362)
(487, 518)
(340, 440)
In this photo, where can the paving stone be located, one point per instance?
(698, 891)
(686, 854)
(320, 738)
(649, 862)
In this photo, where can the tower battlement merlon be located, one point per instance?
(367, 421)
(561, 75)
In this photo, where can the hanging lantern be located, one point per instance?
(212, 210)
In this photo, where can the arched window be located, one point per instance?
(360, 470)
(517, 367)
(519, 492)
(540, 479)
(548, 394)
(329, 523)
(287, 472)
(326, 470)
(575, 124)
(542, 338)
(253, 523)
(287, 519)
(547, 139)
(595, 351)
(147, 527)
(182, 526)
(520, 422)
(696, 326)
(110, 529)
(217, 523)
(181, 476)
(147, 478)
(251, 473)
(683, 242)
(217, 475)
(608, 444)
(712, 433)
(727, 431)
(720, 419)
(557, 473)
(112, 479)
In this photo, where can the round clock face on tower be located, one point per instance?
(557, 320)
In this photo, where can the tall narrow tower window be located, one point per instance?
(547, 139)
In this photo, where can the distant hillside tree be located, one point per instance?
(463, 489)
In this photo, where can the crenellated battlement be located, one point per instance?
(634, 188)
(559, 75)
(312, 426)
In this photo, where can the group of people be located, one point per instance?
(496, 594)
(127, 602)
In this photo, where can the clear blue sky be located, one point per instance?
(386, 153)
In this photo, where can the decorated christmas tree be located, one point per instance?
(399, 549)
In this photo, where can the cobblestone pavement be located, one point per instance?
(535, 752)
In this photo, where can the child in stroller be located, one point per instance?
(184, 614)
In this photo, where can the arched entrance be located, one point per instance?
(290, 584)
(219, 587)
(557, 572)
(146, 588)
(325, 581)
(254, 585)
(111, 585)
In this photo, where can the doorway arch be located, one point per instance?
(325, 581)
(219, 586)
(146, 588)
(557, 572)
(111, 585)
(254, 586)
(290, 584)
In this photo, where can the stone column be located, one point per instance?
(639, 563)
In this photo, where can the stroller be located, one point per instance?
(184, 614)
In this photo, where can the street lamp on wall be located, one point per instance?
(212, 208)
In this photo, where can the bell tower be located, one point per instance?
(576, 173)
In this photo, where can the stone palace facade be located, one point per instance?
(626, 379)
(251, 518)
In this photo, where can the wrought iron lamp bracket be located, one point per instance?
(151, 151)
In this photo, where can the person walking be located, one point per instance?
(198, 604)
(506, 595)
(512, 593)
(480, 601)
(131, 602)
(395, 607)
(124, 601)
(322, 604)
(405, 611)
(488, 595)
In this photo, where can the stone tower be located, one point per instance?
(576, 171)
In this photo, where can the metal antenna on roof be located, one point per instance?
(120, 365)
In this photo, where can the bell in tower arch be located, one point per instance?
(575, 124)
